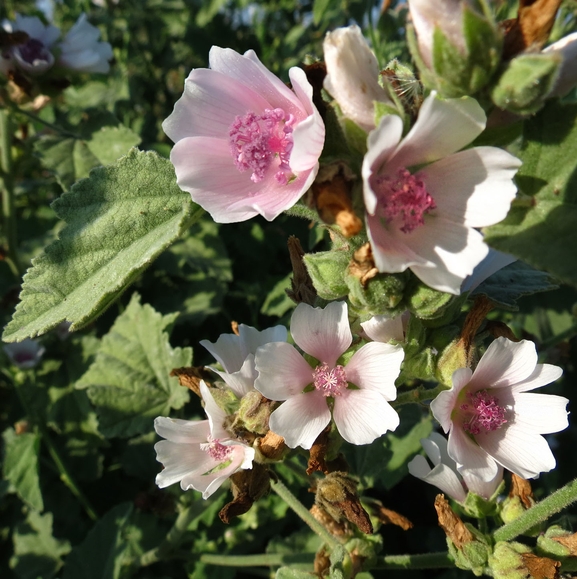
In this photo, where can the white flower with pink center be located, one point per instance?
(236, 353)
(491, 418)
(424, 199)
(199, 454)
(246, 144)
(358, 392)
(444, 474)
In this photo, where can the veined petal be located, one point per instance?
(542, 375)
(470, 457)
(473, 187)
(322, 332)
(182, 431)
(251, 339)
(180, 461)
(282, 371)
(216, 415)
(504, 364)
(567, 75)
(441, 476)
(301, 419)
(542, 413)
(384, 329)
(376, 366)
(480, 487)
(362, 416)
(442, 407)
(226, 351)
(442, 128)
(436, 448)
(241, 382)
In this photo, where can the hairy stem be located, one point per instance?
(542, 511)
(295, 560)
(423, 561)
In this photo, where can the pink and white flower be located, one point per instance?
(200, 454)
(444, 474)
(424, 199)
(352, 75)
(236, 355)
(491, 418)
(246, 144)
(25, 354)
(82, 50)
(358, 392)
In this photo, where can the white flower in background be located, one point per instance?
(424, 220)
(361, 413)
(444, 475)
(236, 355)
(567, 75)
(82, 51)
(33, 56)
(491, 418)
(382, 328)
(26, 354)
(352, 75)
(199, 454)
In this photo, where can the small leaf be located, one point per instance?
(21, 466)
(118, 220)
(110, 143)
(129, 382)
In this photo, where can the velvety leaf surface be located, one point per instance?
(118, 220)
(129, 382)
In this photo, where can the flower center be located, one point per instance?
(33, 50)
(482, 413)
(404, 197)
(330, 382)
(216, 450)
(255, 141)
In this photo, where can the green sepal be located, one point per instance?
(452, 358)
(225, 399)
(548, 547)
(481, 508)
(429, 304)
(381, 294)
(472, 556)
(383, 110)
(356, 138)
(420, 359)
(506, 561)
(526, 82)
(327, 270)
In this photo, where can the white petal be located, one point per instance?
(436, 448)
(376, 366)
(442, 407)
(216, 415)
(322, 332)
(241, 382)
(441, 476)
(226, 351)
(474, 187)
(484, 489)
(470, 457)
(505, 363)
(282, 371)
(442, 128)
(519, 449)
(301, 419)
(494, 261)
(362, 416)
(567, 75)
(180, 461)
(384, 329)
(542, 413)
(251, 338)
(182, 431)
(542, 375)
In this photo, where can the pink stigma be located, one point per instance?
(256, 140)
(404, 197)
(482, 413)
(216, 450)
(330, 382)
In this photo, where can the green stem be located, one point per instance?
(65, 475)
(417, 395)
(424, 561)
(269, 560)
(282, 491)
(8, 207)
(542, 511)
(304, 212)
(554, 340)
(40, 120)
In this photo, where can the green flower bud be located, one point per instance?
(506, 561)
(254, 413)
(327, 271)
(382, 293)
(511, 509)
(225, 399)
(548, 545)
(454, 356)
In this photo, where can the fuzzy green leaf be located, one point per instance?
(21, 466)
(129, 382)
(542, 231)
(118, 221)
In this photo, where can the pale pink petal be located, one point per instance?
(542, 413)
(282, 371)
(216, 415)
(442, 407)
(505, 363)
(484, 489)
(301, 419)
(381, 143)
(441, 476)
(470, 457)
(494, 261)
(309, 134)
(226, 351)
(322, 332)
(362, 416)
(454, 249)
(567, 75)
(436, 448)
(519, 449)
(474, 187)
(241, 382)
(542, 375)
(442, 128)
(251, 339)
(182, 431)
(376, 366)
(248, 70)
(384, 329)
(210, 103)
(180, 461)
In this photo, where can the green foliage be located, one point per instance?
(129, 382)
(118, 221)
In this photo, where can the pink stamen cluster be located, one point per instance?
(330, 382)
(216, 450)
(406, 197)
(255, 141)
(482, 413)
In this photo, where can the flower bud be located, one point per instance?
(253, 413)
(457, 46)
(516, 561)
(326, 269)
(557, 542)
